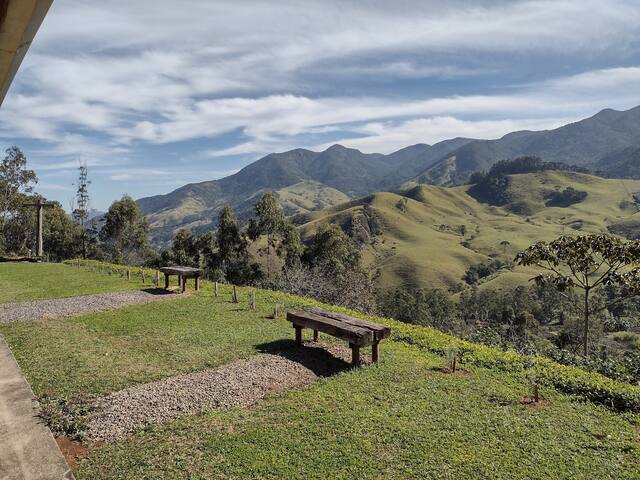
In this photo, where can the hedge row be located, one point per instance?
(592, 386)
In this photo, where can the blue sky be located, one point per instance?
(153, 94)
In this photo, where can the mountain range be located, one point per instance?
(608, 142)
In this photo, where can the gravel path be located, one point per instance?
(238, 384)
(64, 307)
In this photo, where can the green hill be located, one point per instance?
(428, 236)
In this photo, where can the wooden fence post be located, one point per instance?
(276, 310)
(157, 280)
(216, 290)
(235, 295)
(144, 280)
(252, 299)
(128, 275)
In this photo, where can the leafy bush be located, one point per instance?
(565, 198)
(477, 272)
(67, 416)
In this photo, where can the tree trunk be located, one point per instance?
(585, 337)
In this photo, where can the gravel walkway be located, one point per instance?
(238, 384)
(64, 307)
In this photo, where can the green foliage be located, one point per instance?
(231, 258)
(589, 263)
(16, 182)
(333, 251)
(565, 198)
(125, 232)
(479, 271)
(428, 307)
(68, 416)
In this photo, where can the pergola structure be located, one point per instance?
(19, 22)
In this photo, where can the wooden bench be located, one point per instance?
(183, 274)
(358, 333)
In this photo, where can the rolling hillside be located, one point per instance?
(327, 178)
(587, 143)
(608, 142)
(428, 236)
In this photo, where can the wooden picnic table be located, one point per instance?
(358, 333)
(183, 274)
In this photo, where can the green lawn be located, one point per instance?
(400, 419)
(22, 281)
(111, 350)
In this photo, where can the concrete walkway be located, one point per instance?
(28, 450)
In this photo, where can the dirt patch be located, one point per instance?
(72, 450)
(532, 403)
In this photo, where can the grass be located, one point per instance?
(403, 418)
(422, 244)
(108, 351)
(21, 282)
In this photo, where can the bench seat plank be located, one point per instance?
(351, 333)
(380, 331)
(182, 271)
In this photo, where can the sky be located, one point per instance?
(154, 94)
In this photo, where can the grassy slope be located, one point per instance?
(193, 213)
(401, 419)
(423, 245)
(21, 282)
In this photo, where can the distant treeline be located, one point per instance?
(493, 186)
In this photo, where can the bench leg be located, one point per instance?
(374, 352)
(197, 283)
(315, 335)
(298, 336)
(355, 355)
(166, 281)
(183, 282)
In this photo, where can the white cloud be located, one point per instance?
(106, 80)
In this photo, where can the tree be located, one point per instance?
(125, 231)
(588, 263)
(291, 246)
(184, 248)
(333, 251)
(231, 257)
(15, 181)
(81, 212)
(269, 221)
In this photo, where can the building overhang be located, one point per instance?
(19, 22)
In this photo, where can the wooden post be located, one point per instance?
(183, 283)
(40, 205)
(144, 280)
(166, 281)
(276, 310)
(252, 299)
(298, 335)
(157, 282)
(355, 355)
(374, 352)
(235, 295)
(315, 335)
(128, 275)
(197, 283)
(216, 290)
